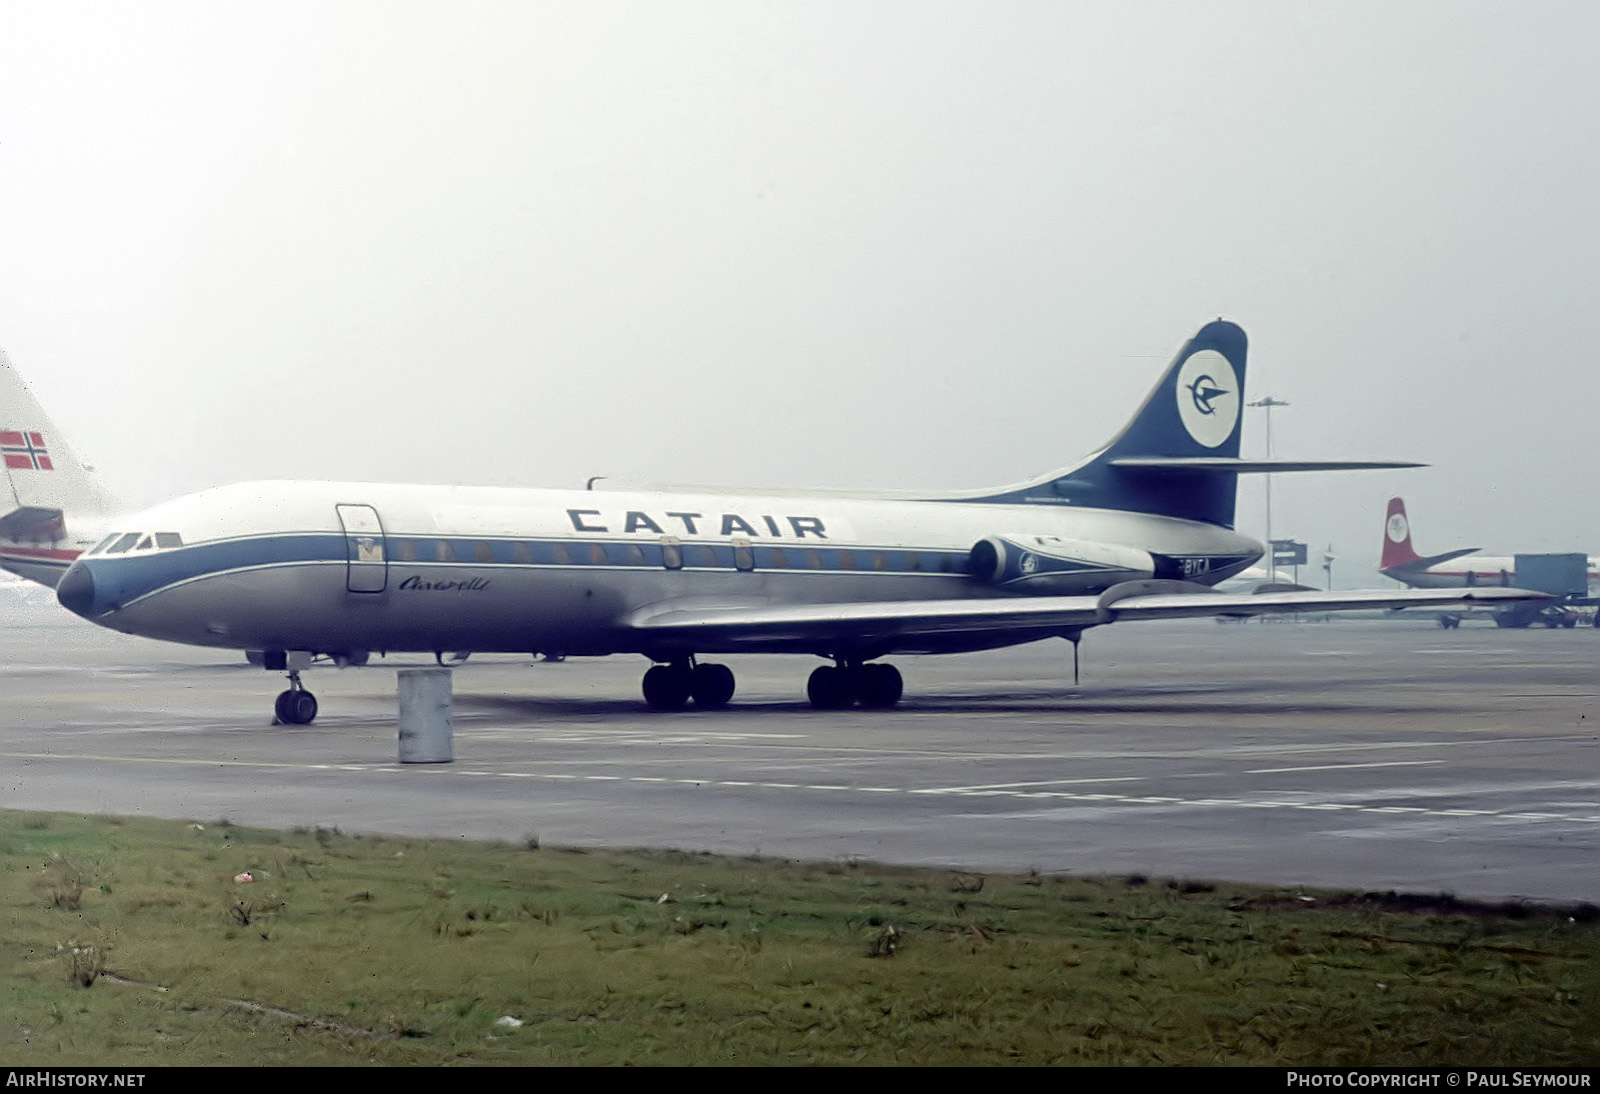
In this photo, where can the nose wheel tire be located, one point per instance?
(296, 707)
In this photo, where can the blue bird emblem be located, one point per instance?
(1204, 391)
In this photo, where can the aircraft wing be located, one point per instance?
(901, 624)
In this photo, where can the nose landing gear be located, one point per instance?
(297, 706)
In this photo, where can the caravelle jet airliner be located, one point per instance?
(1138, 530)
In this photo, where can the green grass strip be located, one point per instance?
(133, 942)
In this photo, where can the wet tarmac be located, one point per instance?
(1365, 754)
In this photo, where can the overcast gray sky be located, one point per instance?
(895, 244)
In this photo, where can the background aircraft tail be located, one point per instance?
(1397, 549)
(51, 504)
(1400, 560)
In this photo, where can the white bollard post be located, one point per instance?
(425, 732)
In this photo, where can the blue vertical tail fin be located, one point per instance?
(1192, 414)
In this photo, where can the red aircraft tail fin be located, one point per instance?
(1397, 549)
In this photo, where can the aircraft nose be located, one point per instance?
(76, 590)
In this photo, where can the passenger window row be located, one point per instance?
(672, 555)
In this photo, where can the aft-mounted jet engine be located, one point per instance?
(1055, 565)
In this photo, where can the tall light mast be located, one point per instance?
(1267, 402)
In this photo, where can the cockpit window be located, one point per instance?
(103, 544)
(124, 543)
(168, 539)
(144, 544)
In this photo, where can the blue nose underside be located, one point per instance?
(76, 590)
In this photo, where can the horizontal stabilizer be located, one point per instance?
(31, 522)
(1247, 467)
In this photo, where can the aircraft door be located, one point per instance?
(367, 569)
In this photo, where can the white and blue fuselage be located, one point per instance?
(335, 568)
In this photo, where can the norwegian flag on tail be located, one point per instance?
(24, 451)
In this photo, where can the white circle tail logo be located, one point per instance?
(1398, 531)
(1208, 397)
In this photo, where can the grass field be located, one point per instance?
(134, 942)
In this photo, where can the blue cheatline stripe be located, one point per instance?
(124, 578)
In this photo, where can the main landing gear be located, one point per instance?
(873, 685)
(297, 706)
(672, 686)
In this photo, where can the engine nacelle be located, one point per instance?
(1056, 565)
